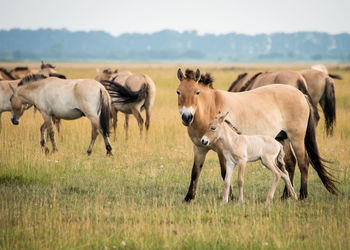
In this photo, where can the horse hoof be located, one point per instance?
(109, 154)
(188, 199)
(88, 152)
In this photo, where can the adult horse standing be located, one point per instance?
(64, 99)
(48, 69)
(279, 111)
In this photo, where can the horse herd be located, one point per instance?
(258, 108)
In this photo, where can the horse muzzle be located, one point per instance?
(14, 121)
(205, 141)
(187, 119)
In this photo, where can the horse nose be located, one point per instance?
(14, 121)
(204, 141)
(187, 119)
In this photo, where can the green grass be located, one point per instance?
(134, 199)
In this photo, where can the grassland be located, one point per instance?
(133, 200)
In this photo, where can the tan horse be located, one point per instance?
(48, 69)
(322, 91)
(279, 111)
(239, 149)
(82, 97)
(21, 72)
(5, 75)
(131, 94)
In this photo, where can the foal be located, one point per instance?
(240, 149)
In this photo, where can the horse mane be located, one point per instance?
(240, 77)
(233, 127)
(8, 74)
(190, 74)
(207, 80)
(47, 65)
(107, 71)
(20, 69)
(31, 78)
(57, 75)
(249, 82)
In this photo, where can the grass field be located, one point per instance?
(133, 200)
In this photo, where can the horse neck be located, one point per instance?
(228, 136)
(28, 92)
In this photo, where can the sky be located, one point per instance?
(205, 16)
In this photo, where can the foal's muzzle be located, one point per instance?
(187, 119)
(205, 140)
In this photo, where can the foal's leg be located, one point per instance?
(285, 178)
(290, 165)
(126, 126)
(229, 171)
(139, 119)
(269, 162)
(223, 163)
(241, 166)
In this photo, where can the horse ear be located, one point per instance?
(12, 88)
(116, 71)
(198, 75)
(223, 116)
(180, 75)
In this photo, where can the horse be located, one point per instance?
(248, 81)
(322, 90)
(130, 93)
(280, 111)
(239, 149)
(5, 75)
(323, 68)
(50, 70)
(21, 72)
(77, 98)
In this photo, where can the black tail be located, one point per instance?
(314, 156)
(124, 95)
(302, 87)
(328, 106)
(335, 76)
(105, 113)
(58, 75)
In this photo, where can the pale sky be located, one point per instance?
(205, 16)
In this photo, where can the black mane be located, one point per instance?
(47, 65)
(247, 84)
(20, 69)
(233, 127)
(207, 80)
(8, 74)
(240, 77)
(31, 78)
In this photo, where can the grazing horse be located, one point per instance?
(131, 94)
(248, 81)
(63, 99)
(280, 111)
(5, 75)
(239, 149)
(21, 72)
(322, 91)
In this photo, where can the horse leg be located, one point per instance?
(42, 140)
(148, 117)
(51, 133)
(114, 114)
(94, 134)
(227, 186)
(57, 122)
(240, 180)
(223, 162)
(126, 126)
(290, 162)
(285, 178)
(0, 122)
(303, 163)
(199, 158)
(139, 119)
(268, 162)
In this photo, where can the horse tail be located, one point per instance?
(124, 95)
(105, 112)
(316, 161)
(301, 85)
(335, 76)
(328, 105)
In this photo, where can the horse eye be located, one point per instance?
(212, 128)
(178, 92)
(197, 92)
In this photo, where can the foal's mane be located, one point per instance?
(8, 74)
(249, 82)
(20, 69)
(240, 76)
(206, 80)
(232, 127)
(31, 78)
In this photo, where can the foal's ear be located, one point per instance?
(223, 117)
(198, 75)
(180, 75)
(13, 90)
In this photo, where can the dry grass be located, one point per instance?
(134, 199)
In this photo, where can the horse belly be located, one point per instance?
(70, 114)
